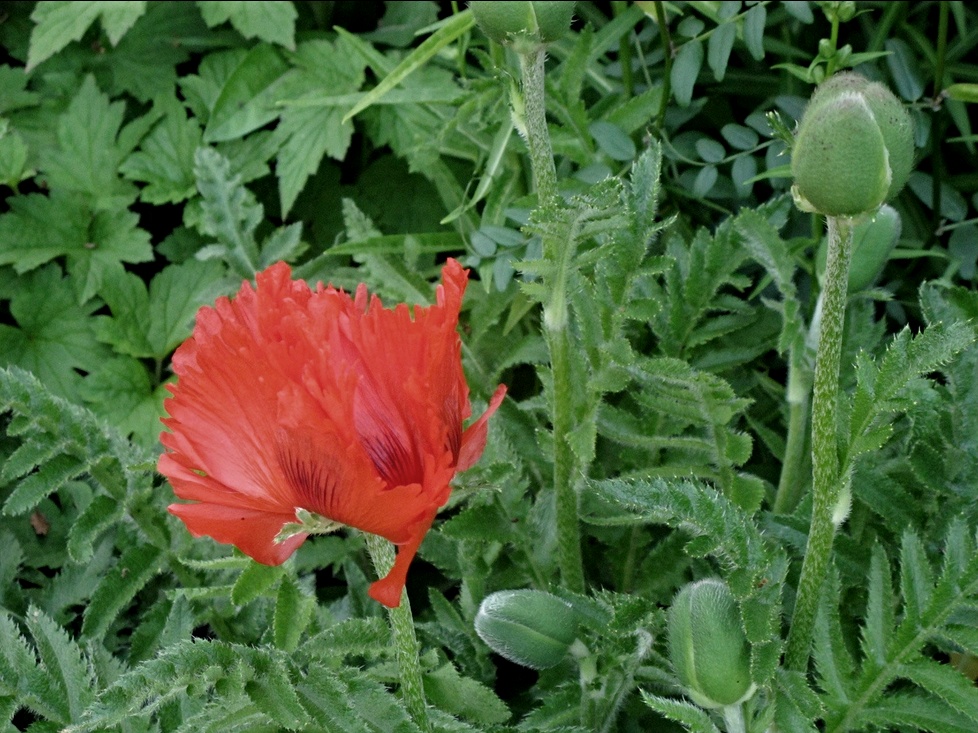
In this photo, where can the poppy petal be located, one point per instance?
(388, 589)
(253, 532)
(474, 437)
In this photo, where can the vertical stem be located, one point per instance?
(407, 650)
(537, 134)
(555, 326)
(937, 140)
(568, 527)
(825, 458)
(733, 716)
(791, 482)
(660, 19)
(624, 52)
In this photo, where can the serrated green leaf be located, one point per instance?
(346, 700)
(946, 683)
(91, 146)
(293, 611)
(695, 719)
(13, 157)
(914, 711)
(308, 130)
(63, 660)
(152, 323)
(49, 478)
(268, 20)
(247, 99)
(230, 211)
(21, 677)
(273, 692)
(254, 580)
(118, 588)
(165, 159)
(102, 512)
(60, 22)
(121, 391)
(464, 697)
(879, 623)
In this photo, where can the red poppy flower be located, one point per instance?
(292, 399)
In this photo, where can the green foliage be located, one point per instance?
(155, 155)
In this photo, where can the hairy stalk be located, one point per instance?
(555, 326)
(537, 134)
(407, 650)
(825, 458)
(733, 716)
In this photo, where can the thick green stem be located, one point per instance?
(568, 523)
(733, 716)
(826, 484)
(555, 326)
(537, 134)
(407, 650)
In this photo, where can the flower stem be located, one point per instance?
(555, 325)
(537, 134)
(826, 485)
(406, 647)
(733, 716)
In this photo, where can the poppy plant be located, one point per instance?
(298, 408)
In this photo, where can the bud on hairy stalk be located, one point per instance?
(854, 148)
(708, 646)
(524, 25)
(528, 627)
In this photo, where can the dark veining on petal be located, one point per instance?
(396, 463)
(312, 479)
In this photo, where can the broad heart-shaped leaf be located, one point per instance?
(165, 159)
(54, 336)
(91, 145)
(60, 22)
(269, 20)
(311, 125)
(149, 324)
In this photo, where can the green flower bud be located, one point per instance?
(528, 627)
(708, 646)
(854, 148)
(525, 25)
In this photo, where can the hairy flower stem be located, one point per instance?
(555, 325)
(407, 650)
(825, 458)
(535, 120)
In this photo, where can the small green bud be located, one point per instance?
(528, 627)
(854, 148)
(708, 646)
(525, 25)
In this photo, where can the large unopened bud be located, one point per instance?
(708, 646)
(854, 148)
(529, 627)
(524, 25)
